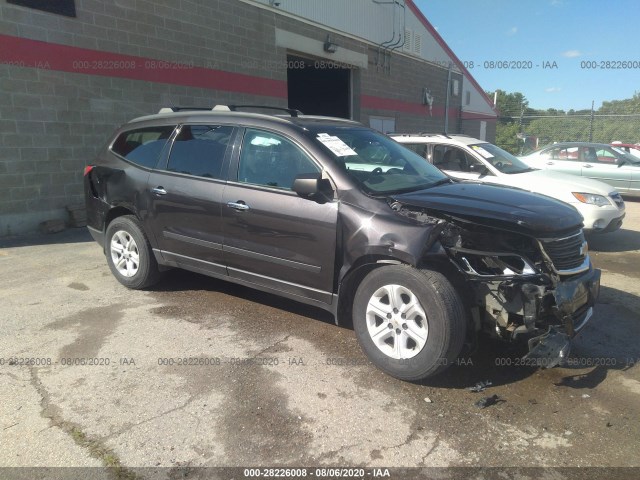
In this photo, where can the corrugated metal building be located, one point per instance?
(73, 70)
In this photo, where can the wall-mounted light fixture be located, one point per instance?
(427, 99)
(329, 46)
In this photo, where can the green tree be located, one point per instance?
(510, 107)
(517, 120)
(622, 107)
(510, 104)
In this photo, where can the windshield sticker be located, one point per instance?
(264, 141)
(337, 146)
(482, 151)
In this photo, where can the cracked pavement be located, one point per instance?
(271, 382)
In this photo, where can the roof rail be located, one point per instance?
(415, 134)
(427, 134)
(230, 108)
(180, 109)
(291, 111)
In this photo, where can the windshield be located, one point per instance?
(627, 156)
(501, 160)
(378, 164)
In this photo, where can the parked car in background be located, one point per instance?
(467, 158)
(632, 148)
(598, 161)
(330, 213)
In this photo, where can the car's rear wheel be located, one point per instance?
(129, 254)
(409, 322)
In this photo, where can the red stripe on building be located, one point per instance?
(24, 52)
(37, 54)
(478, 116)
(392, 105)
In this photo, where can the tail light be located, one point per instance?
(88, 169)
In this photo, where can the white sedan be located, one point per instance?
(468, 158)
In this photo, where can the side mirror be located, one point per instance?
(312, 185)
(479, 168)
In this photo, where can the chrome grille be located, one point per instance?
(567, 253)
(617, 199)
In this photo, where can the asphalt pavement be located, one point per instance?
(201, 373)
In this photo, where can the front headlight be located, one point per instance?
(592, 199)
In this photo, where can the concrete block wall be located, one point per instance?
(472, 127)
(402, 82)
(405, 83)
(53, 122)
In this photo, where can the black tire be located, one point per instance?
(445, 322)
(146, 273)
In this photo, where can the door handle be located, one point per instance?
(159, 191)
(550, 163)
(239, 205)
(587, 166)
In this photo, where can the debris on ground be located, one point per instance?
(428, 400)
(488, 401)
(480, 386)
(77, 215)
(52, 226)
(585, 395)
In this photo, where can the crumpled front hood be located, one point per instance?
(496, 206)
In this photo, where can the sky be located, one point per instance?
(575, 34)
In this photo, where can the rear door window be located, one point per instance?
(199, 150)
(563, 153)
(143, 146)
(452, 159)
(606, 156)
(421, 149)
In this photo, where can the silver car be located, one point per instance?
(599, 161)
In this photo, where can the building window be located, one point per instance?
(455, 87)
(383, 124)
(61, 7)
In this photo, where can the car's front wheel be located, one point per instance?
(129, 254)
(409, 322)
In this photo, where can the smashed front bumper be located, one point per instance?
(574, 301)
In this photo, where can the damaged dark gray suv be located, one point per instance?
(330, 213)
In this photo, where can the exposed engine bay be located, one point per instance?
(522, 288)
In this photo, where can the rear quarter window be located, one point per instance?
(419, 148)
(142, 146)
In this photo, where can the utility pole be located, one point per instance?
(591, 123)
(446, 103)
(521, 115)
